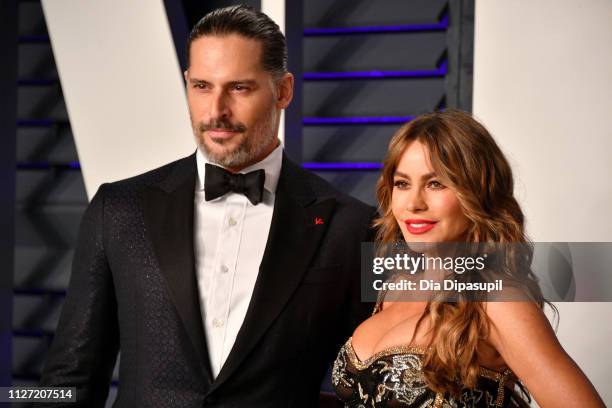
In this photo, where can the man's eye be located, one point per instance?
(200, 86)
(400, 184)
(240, 88)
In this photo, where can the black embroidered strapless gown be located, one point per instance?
(393, 378)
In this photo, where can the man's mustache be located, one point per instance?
(221, 124)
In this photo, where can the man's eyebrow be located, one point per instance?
(250, 82)
(243, 82)
(197, 81)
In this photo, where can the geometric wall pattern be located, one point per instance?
(365, 70)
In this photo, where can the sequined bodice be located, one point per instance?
(394, 378)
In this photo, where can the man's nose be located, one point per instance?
(219, 107)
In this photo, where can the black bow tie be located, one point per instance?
(218, 181)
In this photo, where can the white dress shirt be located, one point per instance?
(230, 235)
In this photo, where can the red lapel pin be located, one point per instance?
(318, 221)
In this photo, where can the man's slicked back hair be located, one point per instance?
(249, 23)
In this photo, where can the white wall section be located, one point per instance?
(122, 85)
(275, 9)
(543, 86)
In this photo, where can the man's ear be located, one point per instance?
(284, 91)
(186, 76)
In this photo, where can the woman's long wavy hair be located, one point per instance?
(467, 159)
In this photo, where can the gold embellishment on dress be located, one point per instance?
(412, 377)
(380, 392)
(438, 401)
(490, 374)
(500, 388)
(364, 397)
(501, 379)
(339, 370)
(377, 308)
(403, 378)
(362, 365)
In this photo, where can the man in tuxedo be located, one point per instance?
(229, 278)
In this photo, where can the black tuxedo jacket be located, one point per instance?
(133, 288)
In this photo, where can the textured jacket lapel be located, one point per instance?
(298, 225)
(168, 213)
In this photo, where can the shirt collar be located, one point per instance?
(271, 164)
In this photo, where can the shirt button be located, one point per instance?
(224, 269)
(232, 222)
(217, 323)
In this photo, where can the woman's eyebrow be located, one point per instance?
(428, 176)
(423, 177)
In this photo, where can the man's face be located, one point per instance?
(234, 103)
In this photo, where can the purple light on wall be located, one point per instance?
(356, 120)
(45, 166)
(33, 166)
(39, 292)
(36, 122)
(432, 73)
(36, 82)
(442, 25)
(33, 39)
(342, 166)
(439, 72)
(33, 333)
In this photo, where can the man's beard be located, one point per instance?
(253, 143)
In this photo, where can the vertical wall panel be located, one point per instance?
(8, 131)
(275, 9)
(292, 121)
(543, 86)
(122, 86)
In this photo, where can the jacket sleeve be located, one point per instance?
(360, 311)
(86, 341)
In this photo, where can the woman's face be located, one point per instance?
(425, 209)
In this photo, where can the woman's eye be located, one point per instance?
(435, 184)
(401, 184)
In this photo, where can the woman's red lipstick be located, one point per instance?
(419, 226)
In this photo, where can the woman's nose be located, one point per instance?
(415, 200)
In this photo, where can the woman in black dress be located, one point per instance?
(446, 180)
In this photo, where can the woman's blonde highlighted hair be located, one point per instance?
(468, 161)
